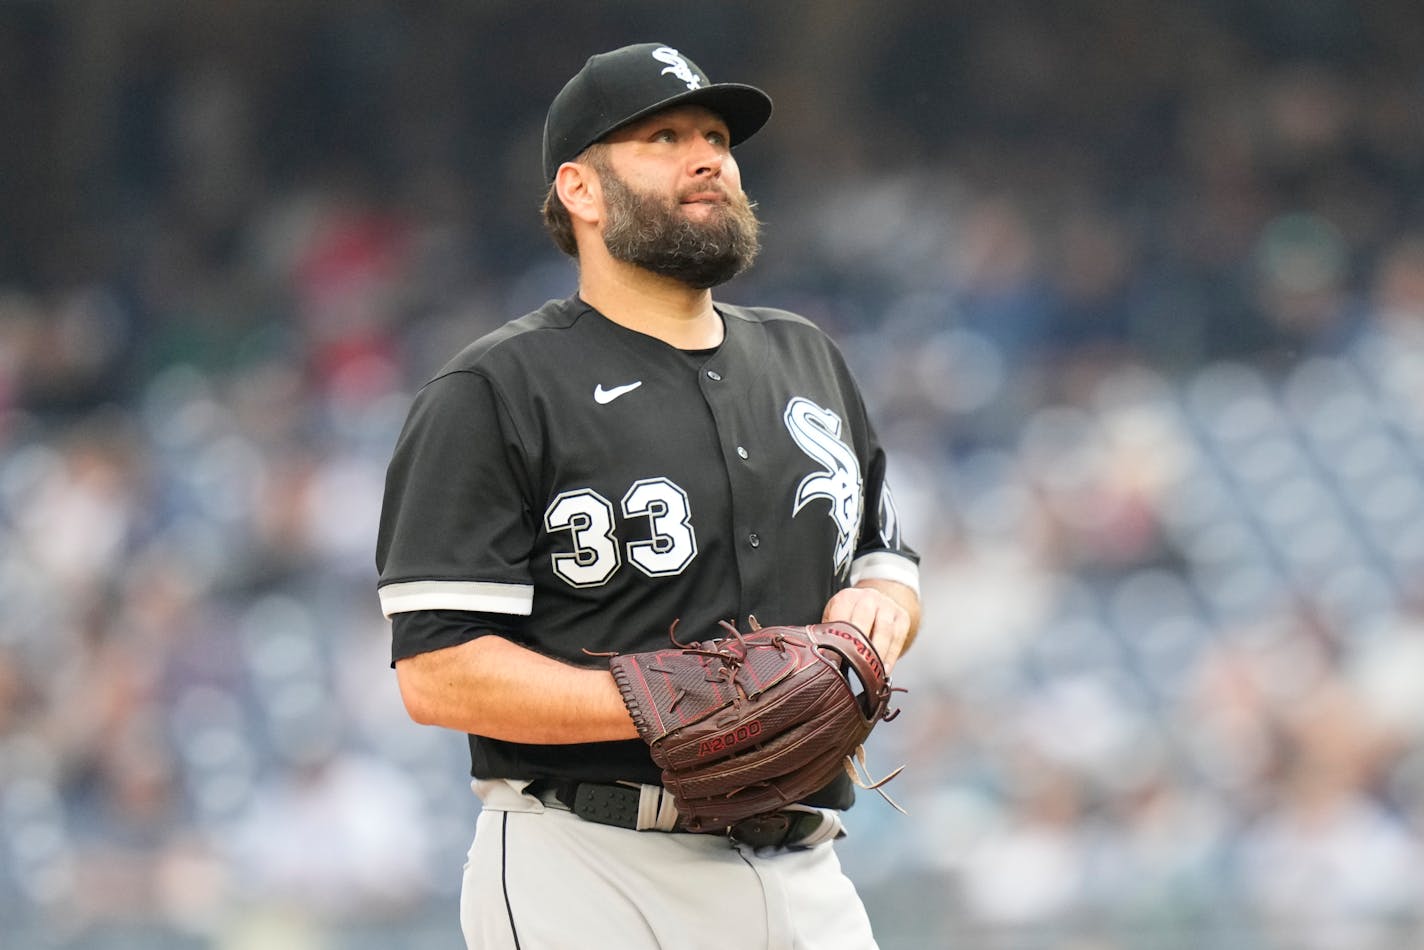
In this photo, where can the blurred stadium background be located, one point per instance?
(1136, 289)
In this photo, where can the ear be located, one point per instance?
(579, 189)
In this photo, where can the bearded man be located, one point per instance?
(573, 484)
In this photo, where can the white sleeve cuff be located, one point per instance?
(886, 566)
(404, 597)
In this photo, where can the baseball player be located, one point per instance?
(572, 484)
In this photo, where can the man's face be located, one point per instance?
(672, 199)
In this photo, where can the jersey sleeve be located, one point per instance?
(423, 631)
(882, 552)
(456, 531)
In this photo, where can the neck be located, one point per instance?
(669, 310)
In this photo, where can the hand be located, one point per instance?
(885, 619)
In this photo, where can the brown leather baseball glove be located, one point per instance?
(747, 724)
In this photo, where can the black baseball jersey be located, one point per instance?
(575, 485)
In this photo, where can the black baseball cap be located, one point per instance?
(615, 88)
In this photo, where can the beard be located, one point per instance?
(653, 233)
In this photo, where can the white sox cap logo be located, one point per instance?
(677, 66)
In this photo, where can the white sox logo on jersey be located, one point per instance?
(816, 432)
(677, 66)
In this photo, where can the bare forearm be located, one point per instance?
(492, 687)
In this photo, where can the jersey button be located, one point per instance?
(715, 376)
(754, 540)
(742, 452)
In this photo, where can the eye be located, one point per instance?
(720, 139)
(664, 135)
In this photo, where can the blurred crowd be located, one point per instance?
(1137, 294)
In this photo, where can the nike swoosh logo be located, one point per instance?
(604, 396)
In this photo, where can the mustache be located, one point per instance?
(705, 188)
(738, 201)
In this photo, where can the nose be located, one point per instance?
(705, 158)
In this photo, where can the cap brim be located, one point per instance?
(744, 108)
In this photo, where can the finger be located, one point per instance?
(839, 606)
(857, 606)
(865, 613)
(884, 642)
(892, 644)
(874, 616)
(892, 628)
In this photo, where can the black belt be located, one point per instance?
(617, 805)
